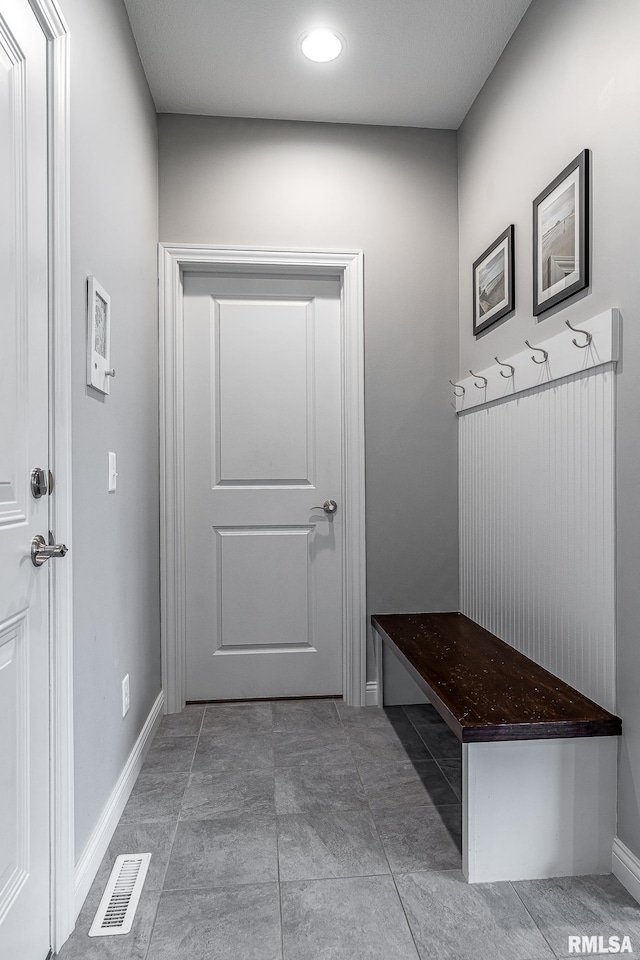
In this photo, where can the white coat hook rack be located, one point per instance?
(557, 358)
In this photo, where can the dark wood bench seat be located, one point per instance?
(484, 689)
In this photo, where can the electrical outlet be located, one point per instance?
(126, 702)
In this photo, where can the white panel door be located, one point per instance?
(263, 447)
(24, 590)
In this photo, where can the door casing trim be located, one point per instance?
(347, 266)
(62, 860)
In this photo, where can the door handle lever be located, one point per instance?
(329, 507)
(41, 551)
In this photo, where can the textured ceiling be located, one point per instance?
(414, 63)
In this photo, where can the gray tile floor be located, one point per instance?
(308, 830)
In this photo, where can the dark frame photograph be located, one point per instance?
(561, 236)
(494, 289)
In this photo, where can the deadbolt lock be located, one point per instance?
(39, 482)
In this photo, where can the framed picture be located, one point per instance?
(494, 289)
(99, 372)
(560, 236)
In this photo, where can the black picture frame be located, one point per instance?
(494, 285)
(561, 236)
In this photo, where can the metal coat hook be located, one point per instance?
(545, 353)
(480, 377)
(457, 386)
(507, 376)
(583, 332)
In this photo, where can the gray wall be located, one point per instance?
(569, 79)
(391, 192)
(115, 537)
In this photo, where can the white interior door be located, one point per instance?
(24, 590)
(263, 447)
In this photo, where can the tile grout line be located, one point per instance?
(153, 925)
(204, 713)
(535, 922)
(163, 887)
(281, 920)
(420, 737)
(437, 759)
(275, 822)
(380, 841)
(443, 772)
(173, 840)
(384, 851)
(164, 875)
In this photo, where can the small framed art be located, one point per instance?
(561, 236)
(99, 372)
(494, 288)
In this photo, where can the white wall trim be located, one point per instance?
(174, 259)
(62, 913)
(101, 835)
(626, 867)
(372, 694)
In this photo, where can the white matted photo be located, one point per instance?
(560, 236)
(99, 370)
(494, 282)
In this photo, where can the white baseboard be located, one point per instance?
(371, 693)
(626, 867)
(91, 858)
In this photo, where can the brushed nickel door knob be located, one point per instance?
(41, 551)
(329, 507)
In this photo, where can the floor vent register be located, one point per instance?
(121, 896)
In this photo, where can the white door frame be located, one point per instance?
(62, 912)
(347, 266)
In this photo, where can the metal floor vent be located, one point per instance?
(120, 898)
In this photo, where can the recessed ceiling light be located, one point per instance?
(321, 46)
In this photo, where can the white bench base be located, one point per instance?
(533, 809)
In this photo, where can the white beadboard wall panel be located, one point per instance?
(537, 526)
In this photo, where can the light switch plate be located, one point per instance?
(126, 698)
(113, 474)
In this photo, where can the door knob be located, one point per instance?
(329, 507)
(41, 551)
